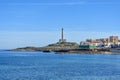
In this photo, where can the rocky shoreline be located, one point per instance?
(65, 48)
(66, 51)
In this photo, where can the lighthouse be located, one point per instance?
(62, 36)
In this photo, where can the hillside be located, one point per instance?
(51, 47)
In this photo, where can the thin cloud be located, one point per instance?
(63, 4)
(103, 3)
(49, 4)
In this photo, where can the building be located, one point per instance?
(84, 42)
(62, 37)
(90, 40)
(87, 46)
(103, 42)
(98, 43)
(114, 39)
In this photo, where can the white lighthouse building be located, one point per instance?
(62, 36)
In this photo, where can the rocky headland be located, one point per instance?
(51, 47)
(65, 47)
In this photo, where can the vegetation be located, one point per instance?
(51, 47)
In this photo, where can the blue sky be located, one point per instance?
(38, 22)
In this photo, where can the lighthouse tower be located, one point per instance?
(62, 36)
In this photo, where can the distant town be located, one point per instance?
(110, 42)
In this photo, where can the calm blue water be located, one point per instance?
(50, 66)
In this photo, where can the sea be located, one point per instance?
(51, 66)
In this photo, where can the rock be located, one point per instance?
(51, 47)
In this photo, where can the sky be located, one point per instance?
(39, 22)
